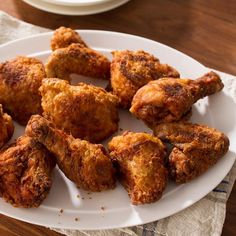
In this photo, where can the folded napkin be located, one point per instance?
(205, 217)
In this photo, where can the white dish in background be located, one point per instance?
(76, 10)
(118, 210)
(76, 2)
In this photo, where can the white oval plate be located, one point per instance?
(76, 10)
(118, 210)
(76, 2)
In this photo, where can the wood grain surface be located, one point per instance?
(205, 30)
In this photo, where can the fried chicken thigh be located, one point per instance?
(85, 111)
(168, 100)
(64, 37)
(130, 70)
(6, 127)
(86, 164)
(139, 158)
(77, 59)
(25, 173)
(196, 148)
(20, 80)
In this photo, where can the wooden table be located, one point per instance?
(205, 30)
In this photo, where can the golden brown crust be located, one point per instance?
(20, 80)
(196, 148)
(130, 70)
(25, 173)
(79, 60)
(208, 84)
(139, 158)
(88, 165)
(85, 111)
(168, 99)
(63, 37)
(6, 127)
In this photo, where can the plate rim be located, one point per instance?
(79, 3)
(75, 10)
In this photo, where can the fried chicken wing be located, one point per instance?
(64, 37)
(20, 80)
(130, 70)
(6, 127)
(139, 158)
(79, 60)
(196, 148)
(25, 173)
(85, 111)
(86, 164)
(168, 100)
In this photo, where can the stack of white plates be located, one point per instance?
(75, 7)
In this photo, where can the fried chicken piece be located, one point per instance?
(63, 37)
(6, 127)
(20, 80)
(25, 173)
(79, 60)
(139, 158)
(86, 164)
(196, 148)
(130, 70)
(168, 100)
(85, 111)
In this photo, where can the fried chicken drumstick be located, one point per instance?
(168, 100)
(64, 37)
(130, 70)
(85, 111)
(86, 164)
(139, 158)
(6, 127)
(77, 59)
(25, 173)
(196, 148)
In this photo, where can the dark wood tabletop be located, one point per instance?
(205, 30)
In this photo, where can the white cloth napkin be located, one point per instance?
(206, 217)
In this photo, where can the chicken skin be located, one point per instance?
(139, 158)
(196, 148)
(20, 80)
(77, 59)
(130, 70)
(85, 111)
(168, 100)
(6, 127)
(64, 37)
(25, 173)
(86, 164)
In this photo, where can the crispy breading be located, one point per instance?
(20, 79)
(168, 100)
(25, 173)
(6, 127)
(77, 59)
(196, 148)
(86, 164)
(139, 158)
(130, 70)
(63, 37)
(85, 111)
